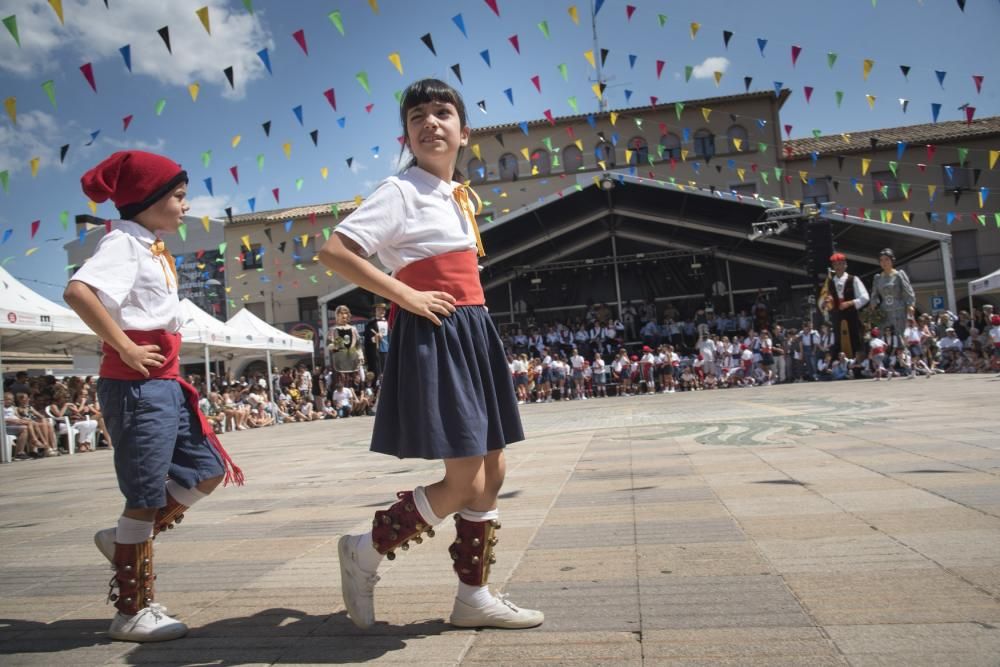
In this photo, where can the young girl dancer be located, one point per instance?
(166, 455)
(422, 225)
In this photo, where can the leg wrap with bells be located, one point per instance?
(472, 550)
(133, 564)
(167, 516)
(398, 525)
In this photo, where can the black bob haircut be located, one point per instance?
(432, 90)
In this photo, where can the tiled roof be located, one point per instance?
(296, 212)
(854, 142)
(493, 129)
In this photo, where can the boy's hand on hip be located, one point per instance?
(138, 357)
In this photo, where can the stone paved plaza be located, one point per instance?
(853, 523)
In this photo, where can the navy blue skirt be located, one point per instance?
(446, 391)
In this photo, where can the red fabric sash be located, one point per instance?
(456, 273)
(113, 368)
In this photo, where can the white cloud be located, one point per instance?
(95, 34)
(212, 206)
(37, 135)
(708, 67)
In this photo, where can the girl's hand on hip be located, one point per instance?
(430, 305)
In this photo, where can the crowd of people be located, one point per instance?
(643, 352)
(590, 357)
(38, 413)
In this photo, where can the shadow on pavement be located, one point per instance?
(271, 635)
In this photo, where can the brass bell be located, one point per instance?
(408, 507)
(476, 542)
(132, 582)
(386, 520)
(418, 539)
(458, 540)
(418, 526)
(475, 560)
(493, 541)
(170, 526)
(496, 524)
(391, 555)
(180, 517)
(113, 597)
(406, 546)
(430, 532)
(395, 526)
(128, 568)
(454, 556)
(493, 559)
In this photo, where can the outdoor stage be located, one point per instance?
(811, 524)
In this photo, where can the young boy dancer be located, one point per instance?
(167, 457)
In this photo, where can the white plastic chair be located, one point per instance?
(63, 426)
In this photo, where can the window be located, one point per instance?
(252, 259)
(965, 251)
(508, 167)
(956, 177)
(737, 134)
(704, 143)
(640, 151)
(477, 171)
(572, 158)
(816, 191)
(885, 187)
(605, 152)
(541, 162)
(309, 309)
(745, 189)
(304, 253)
(671, 146)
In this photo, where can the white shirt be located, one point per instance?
(577, 362)
(409, 217)
(137, 289)
(860, 292)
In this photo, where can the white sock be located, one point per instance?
(473, 515)
(186, 497)
(133, 531)
(476, 596)
(368, 558)
(423, 505)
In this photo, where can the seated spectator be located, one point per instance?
(951, 351)
(41, 432)
(17, 427)
(840, 367)
(62, 408)
(343, 400)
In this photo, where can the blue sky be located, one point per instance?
(928, 36)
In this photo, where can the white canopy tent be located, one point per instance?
(31, 323)
(989, 284)
(277, 340)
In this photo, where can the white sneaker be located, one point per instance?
(357, 585)
(150, 625)
(501, 613)
(105, 541)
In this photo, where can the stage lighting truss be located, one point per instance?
(777, 221)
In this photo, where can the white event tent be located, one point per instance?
(277, 340)
(989, 284)
(31, 323)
